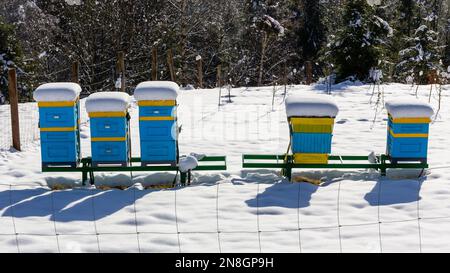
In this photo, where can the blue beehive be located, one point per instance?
(408, 130)
(311, 121)
(59, 115)
(109, 123)
(158, 129)
(315, 143)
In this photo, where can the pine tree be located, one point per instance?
(312, 33)
(358, 46)
(422, 54)
(409, 19)
(307, 34)
(447, 41)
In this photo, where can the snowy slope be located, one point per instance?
(342, 215)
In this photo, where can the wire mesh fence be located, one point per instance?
(28, 121)
(95, 239)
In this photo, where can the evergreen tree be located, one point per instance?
(307, 31)
(422, 56)
(446, 35)
(447, 47)
(358, 46)
(408, 19)
(311, 35)
(423, 52)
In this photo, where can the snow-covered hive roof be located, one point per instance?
(108, 102)
(156, 90)
(58, 91)
(409, 108)
(311, 106)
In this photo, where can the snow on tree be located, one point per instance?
(54, 34)
(272, 25)
(358, 46)
(422, 55)
(310, 30)
(447, 44)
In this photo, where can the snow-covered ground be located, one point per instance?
(238, 210)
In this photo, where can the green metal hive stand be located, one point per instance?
(286, 162)
(208, 163)
(88, 166)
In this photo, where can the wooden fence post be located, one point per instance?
(14, 105)
(309, 73)
(285, 77)
(219, 76)
(219, 83)
(200, 71)
(170, 64)
(121, 68)
(154, 64)
(75, 72)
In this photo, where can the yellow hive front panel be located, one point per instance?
(313, 121)
(311, 158)
(57, 103)
(107, 114)
(409, 120)
(309, 128)
(59, 129)
(156, 118)
(407, 135)
(108, 139)
(312, 125)
(157, 103)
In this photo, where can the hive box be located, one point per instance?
(59, 114)
(109, 123)
(408, 130)
(311, 121)
(158, 129)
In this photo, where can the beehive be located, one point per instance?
(158, 129)
(408, 130)
(59, 116)
(109, 123)
(311, 121)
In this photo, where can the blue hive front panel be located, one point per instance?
(158, 151)
(58, 117)
(158, 130)
(49, 137)
(109, 151)
(55, 152)
(109, 127)
(157, 111)
(409, 128)
(415, 148)
(315, 143)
